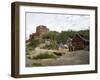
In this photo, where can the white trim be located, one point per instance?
(69, 68)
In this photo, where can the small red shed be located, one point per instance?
(79, 42)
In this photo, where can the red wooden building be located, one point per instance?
(79, 42)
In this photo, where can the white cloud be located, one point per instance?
(57, 22)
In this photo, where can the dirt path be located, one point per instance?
(70, 58)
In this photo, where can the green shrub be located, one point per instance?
(34, 43)
(27, 53)
(44, 56)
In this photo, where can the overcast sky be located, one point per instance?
(56, 22)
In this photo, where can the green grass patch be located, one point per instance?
(36, 64)
(44, 56)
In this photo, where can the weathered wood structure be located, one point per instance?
(78, 42)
